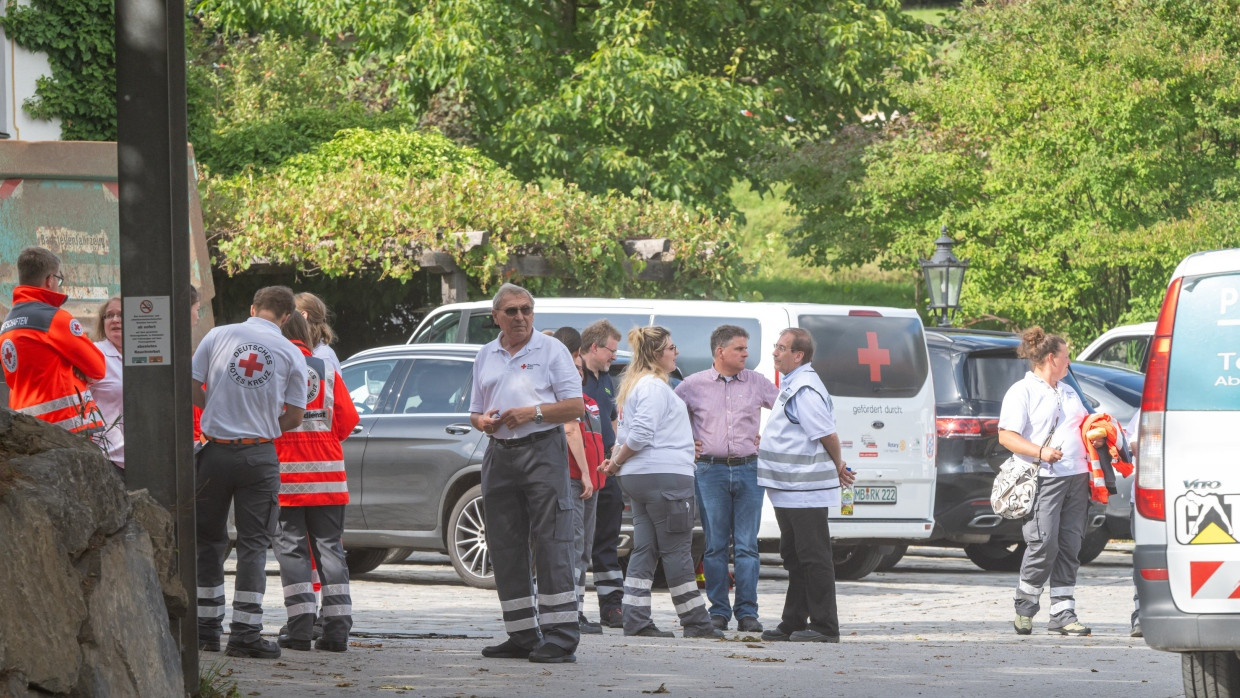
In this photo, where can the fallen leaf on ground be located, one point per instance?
(661, 689)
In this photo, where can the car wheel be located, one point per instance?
(1210, 674)
(467, 540)
(397, 555)
(855, 561)
(363, 560)
(891, 559)
(996, 556)
(1093, 545)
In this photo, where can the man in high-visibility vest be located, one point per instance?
(49, 360)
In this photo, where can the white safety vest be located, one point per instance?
(788, 459)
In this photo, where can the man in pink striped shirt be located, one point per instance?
(725, 407)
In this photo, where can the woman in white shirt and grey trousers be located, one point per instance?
(654, 458)
(1040, 421)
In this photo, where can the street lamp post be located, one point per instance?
(944, 275)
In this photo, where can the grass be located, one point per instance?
(931, 15)
(213, 681)
(779, 276)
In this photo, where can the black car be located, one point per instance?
(973, 370)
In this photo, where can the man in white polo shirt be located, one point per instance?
(525, 387)
(255, 389)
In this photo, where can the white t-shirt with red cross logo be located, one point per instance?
(250, 371)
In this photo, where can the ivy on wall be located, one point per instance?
(78, 37)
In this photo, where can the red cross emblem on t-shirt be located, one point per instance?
(874, 357)
(250, 364)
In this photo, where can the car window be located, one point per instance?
(481, 328)
(443, 329)
(692, 337)
(1203, 373)
(555, 319)
(988, 377)
(1126, 352)
(371, 384)
(868, 356)
(436, 386)
(945, 388)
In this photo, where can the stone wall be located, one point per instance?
(85, 590)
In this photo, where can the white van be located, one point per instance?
(873, 360)
(1186, 564)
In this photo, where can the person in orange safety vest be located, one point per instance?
(49, 360)
(313, 491)
(1107, 448)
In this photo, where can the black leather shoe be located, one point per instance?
(551, 654)
(812, 636)
(749, 625)
(289, 643)
(506, 650)
(331, 645)
(588, 628)
(258, 648)
(707, 633)
(613, 618)
(207, 644)
(652, 631)
(719, 622)
(775, 635)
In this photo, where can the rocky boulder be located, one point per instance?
(82, 606)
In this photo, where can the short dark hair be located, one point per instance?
(724, 334)
(802, 341)
(570, 337)
(194, 297)
(35, 264)
(276, 299)
(598, 332)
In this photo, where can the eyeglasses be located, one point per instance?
(609, 350)
(60, 279)
(526, 310)
(671, 347)
(113, 316)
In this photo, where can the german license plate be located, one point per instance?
(874, 495)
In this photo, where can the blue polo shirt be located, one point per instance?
(603, 391)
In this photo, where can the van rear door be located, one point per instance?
(875, 364)
(1201, 447)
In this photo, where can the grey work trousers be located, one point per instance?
(1053, 534)
(248, 478)
(528, 502)
(320, 527)
(583, 538)
(663, 507)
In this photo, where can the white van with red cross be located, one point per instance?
(1187, 525)
(873, 360)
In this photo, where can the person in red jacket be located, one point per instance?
(49, 360)
(313, 492)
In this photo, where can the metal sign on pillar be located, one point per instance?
(154, 184)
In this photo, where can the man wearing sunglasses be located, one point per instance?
(525, 387)
(49, 361)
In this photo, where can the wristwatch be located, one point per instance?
(538, 418)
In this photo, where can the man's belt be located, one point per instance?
(236, 442)
(731, 460)
(526, 440)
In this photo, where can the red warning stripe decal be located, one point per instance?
(1207, 582)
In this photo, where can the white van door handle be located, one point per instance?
(458, 429)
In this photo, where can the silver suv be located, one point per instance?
(414, 461)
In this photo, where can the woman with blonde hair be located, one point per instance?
(1040, 422)
(322, 337)
(108, 392)
(654, 457)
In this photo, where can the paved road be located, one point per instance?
(934, 626)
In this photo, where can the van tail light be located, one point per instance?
(966, 427)
(865, 313)
(1151, 493)
(1155, 574)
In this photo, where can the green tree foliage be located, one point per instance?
(257, 101)
(78, 37)
(1076, 149)
(375, 199)
(670, 98)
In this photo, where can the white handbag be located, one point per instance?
(1016, 485)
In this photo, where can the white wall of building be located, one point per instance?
(19, 71)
